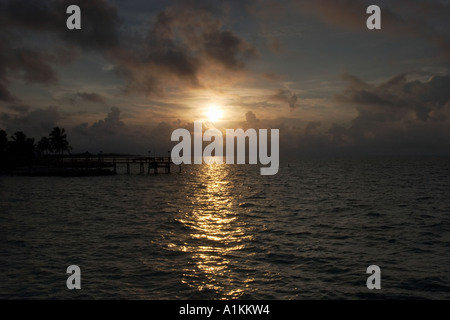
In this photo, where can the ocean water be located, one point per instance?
(226, 232)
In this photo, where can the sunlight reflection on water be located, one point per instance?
(215, 232)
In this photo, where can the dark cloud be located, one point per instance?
(34, 66)
(396, 116)
(398, 98)
(111, 124)
(29, 14)
(109, 135)
(354, 82)
(251, 118)
(36, 123)
(399, 116)
(112, 135)
(285, 96)
(185, 41)
(90, 97)
(228, 49)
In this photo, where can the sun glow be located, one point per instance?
(214, 113)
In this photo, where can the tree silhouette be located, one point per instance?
(3, 148)
(43, 145)
(21, 151)
(58, 141)
(21, 148)
(3, 142)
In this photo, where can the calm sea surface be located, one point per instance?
(224, 232)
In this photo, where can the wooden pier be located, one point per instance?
(147, 165)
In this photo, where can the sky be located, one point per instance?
(137, 70)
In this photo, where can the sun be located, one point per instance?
(214, 113)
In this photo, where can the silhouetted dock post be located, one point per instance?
(141, 165)
(128, 167)
(168, 162)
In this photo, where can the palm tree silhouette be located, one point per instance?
(3, 142)
(43, 145)
(21, 147)
(58, 141)
(3, 148)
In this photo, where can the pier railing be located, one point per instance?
(152, 164)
